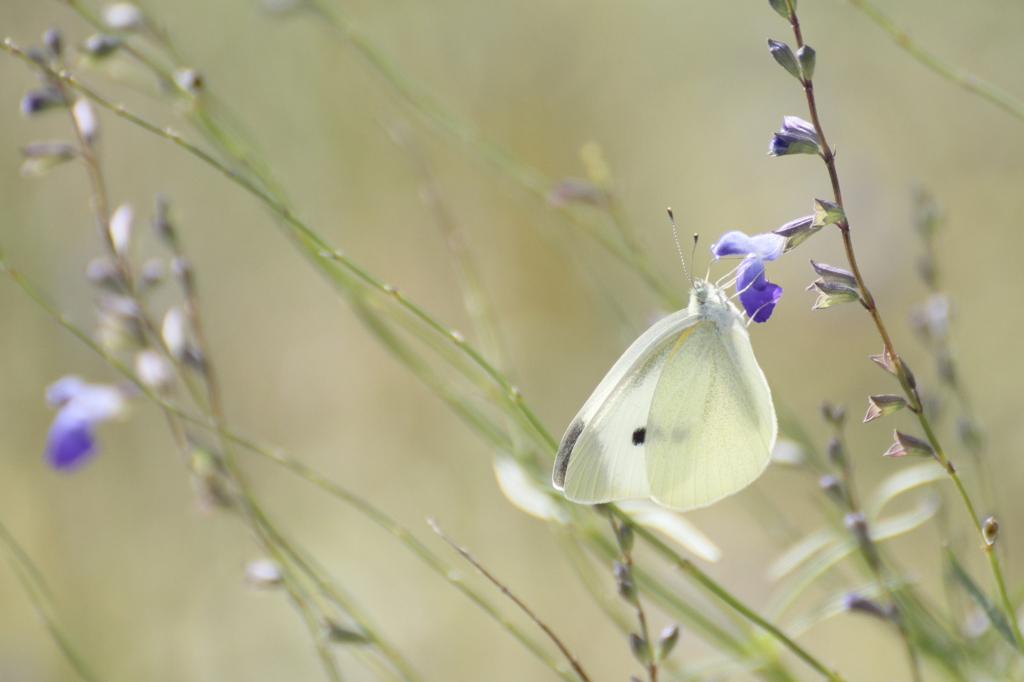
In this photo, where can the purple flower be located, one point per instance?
(757, 295)
(80, 406)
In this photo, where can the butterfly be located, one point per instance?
(684, 417)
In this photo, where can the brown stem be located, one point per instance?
(828, 156)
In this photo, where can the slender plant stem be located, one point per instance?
(705, 581)
(39, 594)
(573, 661)
(898, 367)
(873, 558)
(312, 242)
(961, 77)
(175, 416)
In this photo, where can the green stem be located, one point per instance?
(312, 243)
(38, 593)
(705, 581)
(960, 76)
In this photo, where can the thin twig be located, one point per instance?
(508, 593)
(705, 581)
(961, 77)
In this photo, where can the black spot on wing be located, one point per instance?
(640, 435)
(565, 451)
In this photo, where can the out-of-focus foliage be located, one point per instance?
(656, 105)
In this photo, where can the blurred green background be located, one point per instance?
(683, 98)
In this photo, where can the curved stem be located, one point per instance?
(902, 373)
(705, 581)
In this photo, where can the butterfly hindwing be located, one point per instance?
(714, 420)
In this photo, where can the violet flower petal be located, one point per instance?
(70, 440)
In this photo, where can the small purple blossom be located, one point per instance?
(757, 295)
(80, 406)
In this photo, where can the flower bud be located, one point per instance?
(783, 7)
(121, 229)
(834, 415)
(100, 45)
(42, 99)
(102, 272)
(174, 332)
(885, 361)
(989, 530)
(641, 650)
(181, 268)
(153, 370)
(162, 222)
(785, 57)
(908, 445)
(667, 641)
(830, 294)
(624, 535)
(911, 381)
(54, 41)
(189, 80)
(151, 273)
(856, 603)
(85, 120)
(123, 16)
(858, 527)
(807, 57)
(833, 488)
(881, 405)
(42, 156)
(797, 231)
(624, 582)
(263, 573)
(827, 212)
(836, 455)
(830, 273)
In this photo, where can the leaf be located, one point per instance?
(995, 616)
(901, 523)
(801, 552)
(839, 605)
(818, 564)
(900, 482)
(674, 525)
(524, 493)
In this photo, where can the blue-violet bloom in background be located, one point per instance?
(80, 407)
(757, 295)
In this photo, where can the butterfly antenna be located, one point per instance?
(679, 248)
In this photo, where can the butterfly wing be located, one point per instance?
(601, 456)
(712, 422)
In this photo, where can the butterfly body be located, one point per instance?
(684, 417)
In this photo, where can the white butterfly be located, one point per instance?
(684, 417)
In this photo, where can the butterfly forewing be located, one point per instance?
(714, 421)
(601, 457)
